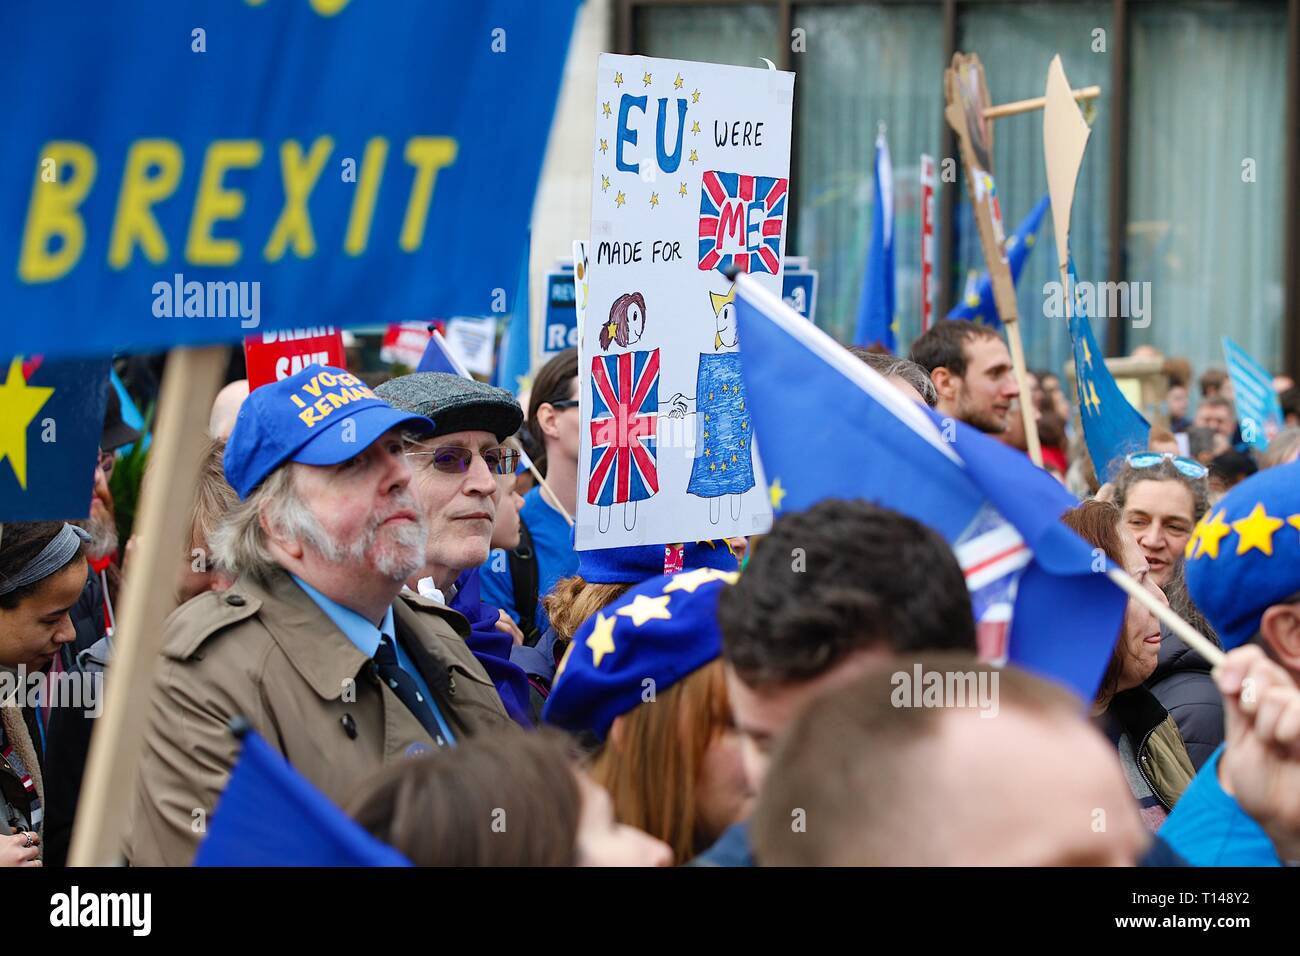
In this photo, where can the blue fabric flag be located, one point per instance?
(437, 357)
(1259, 411)
(339, 163)
(998, 511)
(978, 305)
(271, 815)
(1112, 428)
(516, 345)
(130, 414)
(51, 419)
(876, 307)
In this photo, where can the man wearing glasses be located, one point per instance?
(317, 644)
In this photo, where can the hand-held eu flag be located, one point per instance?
(271, 815)
(51, 418)
(516, 354)
(978, 305)
(1259, 411)
(876, 306)
(1112, 428)
(438, 357)
(999, 513)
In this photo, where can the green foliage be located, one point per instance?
(124, 482)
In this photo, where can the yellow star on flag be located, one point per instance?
(1256, 530)
(19, 404)
(604, 108)
(654, 200)
(604, 145)
(681, 190)
(1294, 521)
(690, 580)
(601, 638)
(618, 79)
(695, 97)
(1212, 532)
(604, 183)
(1096, 402)
(646, 79)
(620, 199)
(1087, 353)
(695, 128)
(776, 493)
(677, 83)
(645, 608)
(693, 158)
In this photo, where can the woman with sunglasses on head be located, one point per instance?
(42, 573)
(1162, 496)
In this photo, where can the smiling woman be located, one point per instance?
(42, 573)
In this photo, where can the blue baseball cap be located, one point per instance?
(301, 418)
(1244, 555)
(663, 629)
(634, 564)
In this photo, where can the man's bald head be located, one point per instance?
(225, 408)
(867, 778)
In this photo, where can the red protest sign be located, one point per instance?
(272, 356)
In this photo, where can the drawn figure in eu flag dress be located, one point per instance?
(624, 417)
(723, 465)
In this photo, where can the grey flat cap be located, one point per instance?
(455, 404)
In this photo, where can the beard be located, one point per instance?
(103, 534)
(396, 553)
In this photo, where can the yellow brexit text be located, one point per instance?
(54, 234)
(316, 404)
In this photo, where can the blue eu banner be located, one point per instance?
(51, 417)
(189, 172)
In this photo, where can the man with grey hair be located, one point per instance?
(904, 374)
(315, 644)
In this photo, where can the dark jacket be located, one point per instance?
(1184, 687)
(1161, 756)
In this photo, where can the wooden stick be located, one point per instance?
(1026, 400)
(542, 481)
(167, 500)
(1192, 638)
(1036, 103)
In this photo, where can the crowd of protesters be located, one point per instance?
(393, 601)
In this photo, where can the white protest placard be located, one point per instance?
(472, 341)
(690, 179)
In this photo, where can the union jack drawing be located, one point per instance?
(741, 218)
(624, 425)
(992, 556)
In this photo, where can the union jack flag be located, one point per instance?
(741, 218)
(624, 426)
(992, 556)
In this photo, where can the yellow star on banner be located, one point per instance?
(1256, 530)
(618, 79)
(1294, 521)
(1087, 353)
(681, 190)
(620, 199)
(695, 97)
(604, 145)
(1211, 533)
(690, 580)
(654, 200)
(1096, 402)
(601, 638)
(19, 404)
(604, 183)
(776, 493)
(604, 108)
(646, 79)
(677, 83)
(693, 158)
(695, 128)
(645, 608)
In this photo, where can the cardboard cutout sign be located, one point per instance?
(1065, 137)
(968, 97)
(690, 179)
(272, 356)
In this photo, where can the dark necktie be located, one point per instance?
(404, 686)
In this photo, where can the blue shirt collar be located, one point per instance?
(354, 627)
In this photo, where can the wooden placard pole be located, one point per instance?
(967, 97)
(1065, 137)
(189, 385)
(1036, 103)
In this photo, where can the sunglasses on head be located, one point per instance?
(561, 406)
(1150, 459)
(455, 460)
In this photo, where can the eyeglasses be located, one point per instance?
(106, 461)
(454, 460)
(561, 406)
(1150, 459)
